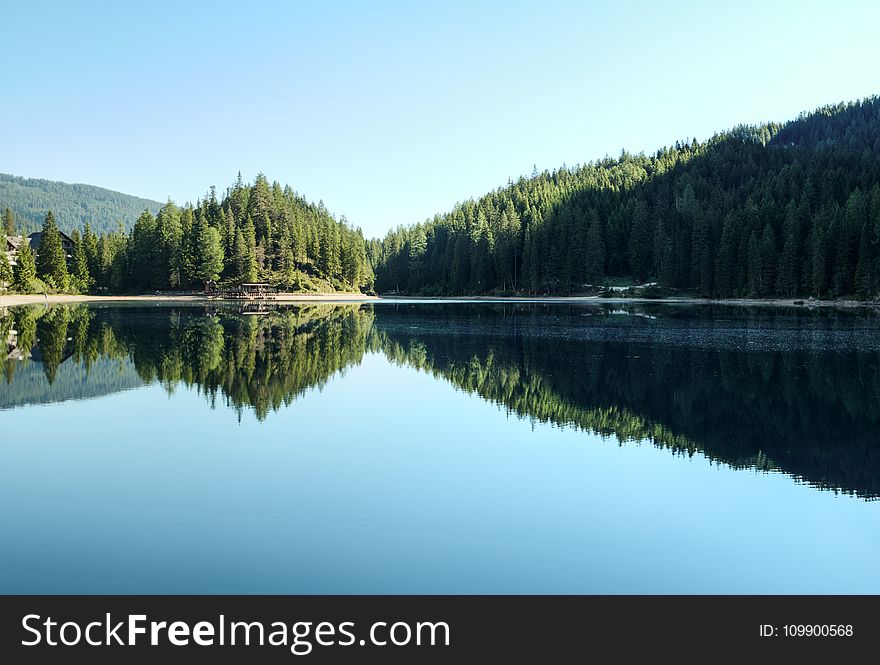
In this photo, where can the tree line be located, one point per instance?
(257, 232)
(788, 210)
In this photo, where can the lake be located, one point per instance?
(441, 447)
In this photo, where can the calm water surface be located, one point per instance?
(439, 448)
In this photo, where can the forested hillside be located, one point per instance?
(73, 205)
(257, 232)
(783, 210)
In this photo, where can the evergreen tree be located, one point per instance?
(461, 265)
(208, 252)
(259, 205)
(819, 277)
(25, 270)
(81, 277)
(863, 276)
(90, 245)
(527, 261)
(51, 260)
(790, 260)
(248, 264)
(168, 237)
(641, 243)
(738, 214)
(5, 271)
(143, 252)
(594, 268)
(9, 222)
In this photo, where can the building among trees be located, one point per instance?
(13, 243)
(67, 244)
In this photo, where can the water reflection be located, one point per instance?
(796, 392)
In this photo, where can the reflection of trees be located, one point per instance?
(263, 361)
(52, 339)
(808, 412)
(813, 414)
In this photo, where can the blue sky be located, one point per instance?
(391, 112)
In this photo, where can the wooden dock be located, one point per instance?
(247, 291)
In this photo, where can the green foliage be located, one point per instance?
(74, 205)
(82, 280)
(51, 258)
(9, 222)
(5, 271)
(208, 253)
(25, 271)
(767, 211)
(296, 246)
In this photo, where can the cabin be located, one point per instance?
(66, 244)
(12, 245)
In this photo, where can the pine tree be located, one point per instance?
(246, 254)
(461, 264)
(819, 276)
(81, 277)
(594, 265)
(287, 264)
(208, 252)
(768, 261)
(663, 255)
(5, 271)
(725, 264)
(641, 243)
(9, 222)
(169, 236)
(702, 270)
(259, 206)
(863, 277)
(185, 261)
(25, 271)
(527, 261)
(143, 250)
(790, 259)
(90, 245)
(51, 260)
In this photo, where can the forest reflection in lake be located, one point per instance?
(794, 393)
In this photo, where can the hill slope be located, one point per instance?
(72, 204)
(785, 210)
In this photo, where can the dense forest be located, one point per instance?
(257, 232)
(776, 210)
(811, 388)
(74, 205)
(784, 210)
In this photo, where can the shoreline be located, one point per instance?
(12, 300)
(801, 303)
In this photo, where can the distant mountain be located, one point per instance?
(72, 380)
(72, 204)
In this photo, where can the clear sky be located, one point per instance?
(392, 111)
